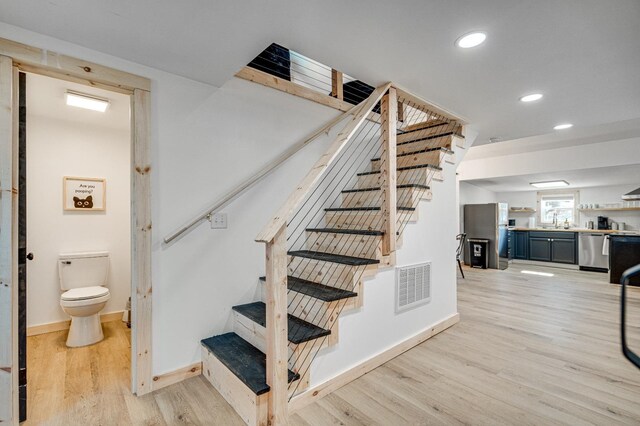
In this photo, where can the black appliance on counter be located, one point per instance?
(624, 252)
(603, 222)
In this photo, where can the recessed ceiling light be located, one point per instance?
(563, 126)
(532, 97)
(550, 184)
(471, 39)
(82, 100)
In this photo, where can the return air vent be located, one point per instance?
(413, 286)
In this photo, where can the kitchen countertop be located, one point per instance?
(602, 231)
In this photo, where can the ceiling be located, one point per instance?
(583, 55)
(585, 178)
(46, 98)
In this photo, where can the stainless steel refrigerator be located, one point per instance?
(490, 222)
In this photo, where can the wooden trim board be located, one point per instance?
(64, 325)
(176, 376)
(8, 243)
(42, 61)
(141, 291)
(350, 375)
(260, 77)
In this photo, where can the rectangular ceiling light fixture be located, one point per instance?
(82, 100)
(550, 184)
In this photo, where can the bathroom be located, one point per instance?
(71, 151)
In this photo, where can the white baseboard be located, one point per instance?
(64, 325)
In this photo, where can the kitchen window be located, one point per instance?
(563, 204)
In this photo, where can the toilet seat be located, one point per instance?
(84, 293)
(84, 296)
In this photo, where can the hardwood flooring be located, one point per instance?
(529, 349)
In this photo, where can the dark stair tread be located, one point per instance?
(362, 209)
(335, 258)
(421, 166)
(346, 231)
(426, 138)
(315, 290)
(400, 132)
(299, 331)
(440, 148)
(244, 360)
(408, 185)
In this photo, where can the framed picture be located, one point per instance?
(84, 194)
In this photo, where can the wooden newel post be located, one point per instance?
(389, 114)
(277, 329)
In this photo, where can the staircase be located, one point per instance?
(317, 273)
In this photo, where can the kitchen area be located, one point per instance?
(585, 229)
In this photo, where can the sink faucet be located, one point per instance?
(555, 220)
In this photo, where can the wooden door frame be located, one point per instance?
(15, 57)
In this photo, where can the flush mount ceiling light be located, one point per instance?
(563, 126)
(82, 100)
(532, 97)
(550, 184)
(472, 39)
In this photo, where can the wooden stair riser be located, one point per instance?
(405, 197)
(435, 158)
(323, 272)
(316, 311)
(432, 131)
(404, 177)
(300, 355)
(371, 220)
(250, 407)
(445, 142)
(366, 246)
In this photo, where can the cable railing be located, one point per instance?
(345, 217)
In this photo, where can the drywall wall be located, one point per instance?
(57, 148)
(205, 141)
(592, 195)
(376, 326)
(621, 152)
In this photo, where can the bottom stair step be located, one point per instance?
(244, 360)
(299, 331)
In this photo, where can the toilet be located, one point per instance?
(83, 279)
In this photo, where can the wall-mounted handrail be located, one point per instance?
(238, 190)
(280, 218)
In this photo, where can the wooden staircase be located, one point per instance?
(325, 277)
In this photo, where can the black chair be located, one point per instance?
(461, 238)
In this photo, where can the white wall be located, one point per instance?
(376, 327)
(205, 140)
(57, 148)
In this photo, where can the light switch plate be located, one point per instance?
(219, 221)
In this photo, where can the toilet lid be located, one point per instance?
(85, 293)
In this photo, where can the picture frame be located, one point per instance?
(83, 194)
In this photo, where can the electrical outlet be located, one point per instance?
(219, 221)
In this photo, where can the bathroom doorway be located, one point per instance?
(74, 198)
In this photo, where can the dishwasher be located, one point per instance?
(591, 256)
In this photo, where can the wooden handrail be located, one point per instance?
(297, 196)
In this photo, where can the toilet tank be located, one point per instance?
(78, 270)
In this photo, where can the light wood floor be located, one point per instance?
(528, 350)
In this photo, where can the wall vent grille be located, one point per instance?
(413, 286)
